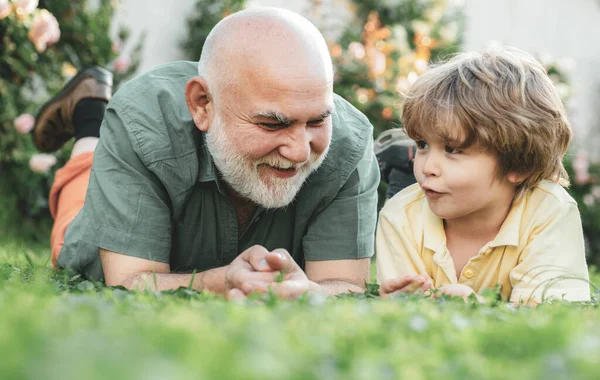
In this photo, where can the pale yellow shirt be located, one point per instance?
(540, 240)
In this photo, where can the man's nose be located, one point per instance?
(296, 144)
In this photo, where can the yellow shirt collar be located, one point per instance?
(435, 236)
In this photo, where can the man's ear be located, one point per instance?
(516, 178)
(198, 101)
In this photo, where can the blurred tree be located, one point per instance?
(386, 47)
(42, 46)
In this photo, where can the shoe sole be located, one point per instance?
(99, 74)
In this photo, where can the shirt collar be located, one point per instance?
(433, 229)
(435, 236)
(206, 167)
(509, 232)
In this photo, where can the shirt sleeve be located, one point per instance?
(553, 265)
(345, 229)
(397, 252)
(126, 208)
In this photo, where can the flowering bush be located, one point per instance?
(585, 188)
(43, 44)
(385, 49)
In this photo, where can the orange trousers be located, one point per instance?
(67, 196)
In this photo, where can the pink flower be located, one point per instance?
(122, 64)
(5, 8)
(41, 162)
(581, 166)
(25, 7)
(44, 30)
(24, 123)
(116, 46)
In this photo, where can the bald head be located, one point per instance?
(263, 42)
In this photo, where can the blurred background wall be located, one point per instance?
(559, 28)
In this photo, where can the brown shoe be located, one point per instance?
(54, 123)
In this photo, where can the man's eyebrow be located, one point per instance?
(322, 116)
(275, 116)
(281, 118)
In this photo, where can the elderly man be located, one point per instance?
(220, 175)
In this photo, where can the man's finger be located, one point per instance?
(236, 295)
(256, 287)
(280, 260)
(256, 256)
(242, 277)
(289, 289)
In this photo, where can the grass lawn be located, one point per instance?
(57, 326)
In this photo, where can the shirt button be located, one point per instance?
(469, 273)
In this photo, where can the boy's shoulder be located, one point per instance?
(549, 192)
(544, 202)
(410, 198)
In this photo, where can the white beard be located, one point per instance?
(242, 175)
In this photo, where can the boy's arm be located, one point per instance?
(397, 252)
(553, 262)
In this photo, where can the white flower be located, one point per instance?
(589, 200)
(357, 50)
(460, 322)
(24, 123)
(25, 7)
(41, 162)
(44, 30)
(5, 8)
(449, 32)
(418, 323)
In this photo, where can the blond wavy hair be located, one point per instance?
(499, 100)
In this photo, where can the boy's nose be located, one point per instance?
(431, 166)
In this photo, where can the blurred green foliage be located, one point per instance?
(28, 78)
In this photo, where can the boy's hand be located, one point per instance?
(457, 290)
(409, 283)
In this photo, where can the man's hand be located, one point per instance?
(409, 283)
(258, 270)
(457, 290)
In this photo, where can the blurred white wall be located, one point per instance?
(164, 23)
(558, 27)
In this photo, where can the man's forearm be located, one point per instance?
(212, 280)
(335, 287)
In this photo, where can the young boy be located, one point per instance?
(489, 206)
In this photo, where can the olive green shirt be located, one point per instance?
(155, 193)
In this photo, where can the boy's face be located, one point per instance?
(460, 183)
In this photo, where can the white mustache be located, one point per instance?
(277, 162)
(282, 163)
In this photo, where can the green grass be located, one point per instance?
(58, 326)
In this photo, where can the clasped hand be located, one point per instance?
(259, 270)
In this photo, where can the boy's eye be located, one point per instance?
(421, 144)
(451, 150)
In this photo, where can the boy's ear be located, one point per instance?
(516, 178)
(198, 101)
